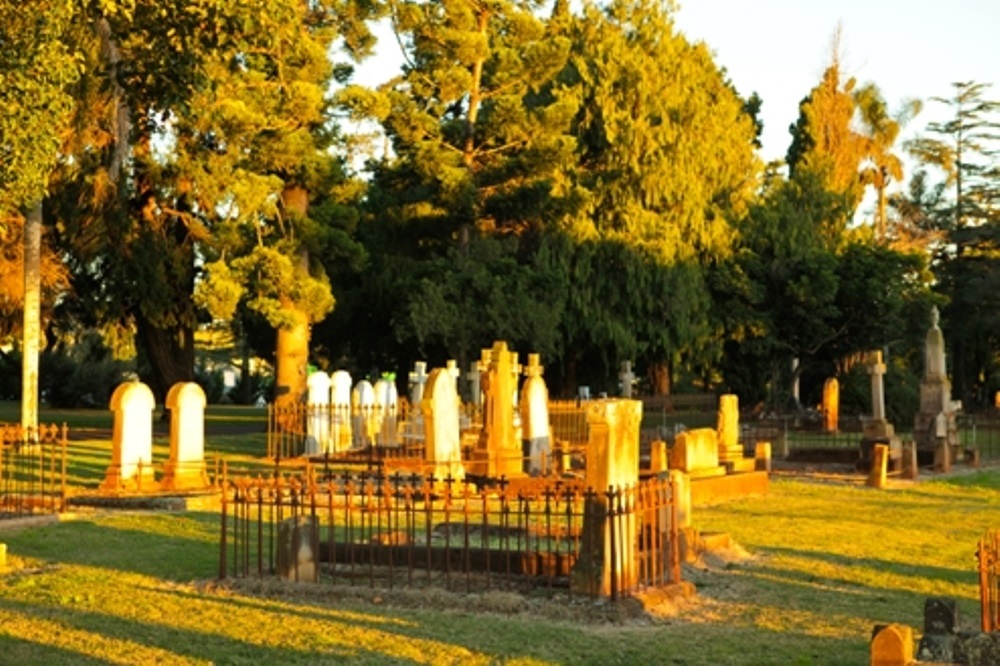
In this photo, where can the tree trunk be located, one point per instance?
(32, 317)
(659, 377)
(170, 352)
(292, 350)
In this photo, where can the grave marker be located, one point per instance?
(442, 436)
(831, 405)
(627, 377)
(132, 438)
(537, 432)
(318, 418)
(340, 404)
(185, 467)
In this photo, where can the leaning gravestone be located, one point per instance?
(612, 462)
(131, 465)
(340, 405)
(535, 427)
(442, 436)
(318, 416)
(185, 468)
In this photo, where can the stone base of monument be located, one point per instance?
(184, 476)
(141, 480)
(711, 490)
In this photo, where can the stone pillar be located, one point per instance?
(728, 428)
(762, 457)
(612, 464)
(132, 439)
(185, 468)
(877, 371)
(879, 468)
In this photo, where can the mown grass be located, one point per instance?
(827, 562)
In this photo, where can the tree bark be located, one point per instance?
(170, 352)
(31, 331)
(292, 349)
(659, 377)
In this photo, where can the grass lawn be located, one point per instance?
(826, 562)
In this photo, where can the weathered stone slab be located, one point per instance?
(695, 450)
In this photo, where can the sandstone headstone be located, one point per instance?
(298, 549)
(831, 405)
(728, 428)
(185, 467)
(498, 451)
(132, 439)
(762, 456)
(442, 436)
(892, 645)
(659, 457)
(340, 404)
(612, 462)
(879, 468)
(318, 420)
(696, 452)
(535, 427)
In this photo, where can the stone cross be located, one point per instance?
(877, 370)
(475, 393)
(627, 377)
(451, 366)
(417, 380)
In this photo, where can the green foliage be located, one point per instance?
(36, 65)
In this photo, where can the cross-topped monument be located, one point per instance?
(877, 371)
(418, 377)
(475, 393)
(627, 377)
(498, 452)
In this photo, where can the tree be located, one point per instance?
(880, 166)
(35, 67)
(964, 148)
(823, 141)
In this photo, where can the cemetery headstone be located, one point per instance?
(696, 452)
(318, 413)
(831, 405)
(298, 549)
(418, 378)
(536, 430)
(340, 404)
(131, 465)
(612, 462)
(498, 451)
(935, 427)
(475, 392)
(728, 428)
(185, 467)
(442, 436)
(627, 377)
(878, 430)
(387, 406)
(363, 408)
(892, 645)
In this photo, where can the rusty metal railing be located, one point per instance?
(32, 470)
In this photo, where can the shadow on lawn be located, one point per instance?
(194, 644)
(18, 650)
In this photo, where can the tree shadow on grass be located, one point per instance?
(17, 650)
(153, 641)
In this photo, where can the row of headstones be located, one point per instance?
(131, 466)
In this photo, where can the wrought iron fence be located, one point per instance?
(414, 530)
(32, 470)
(982, 433)
(988, 554)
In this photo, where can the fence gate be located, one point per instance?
(32, 470)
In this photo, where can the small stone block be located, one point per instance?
(892, 645)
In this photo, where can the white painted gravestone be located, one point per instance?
(363, 407)
(442, 438)
(387, 406)
(537, 432)
(318, 418)
(185, 468)
(340, 403)
(131, 465)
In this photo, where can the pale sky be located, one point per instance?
(779, 48)
(908, 48)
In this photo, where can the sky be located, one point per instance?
(779, 49)
(908, 48)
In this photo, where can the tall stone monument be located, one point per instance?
(728, 428)
(877, 429)
(935, 431)
(498, 451)
(535, 427)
